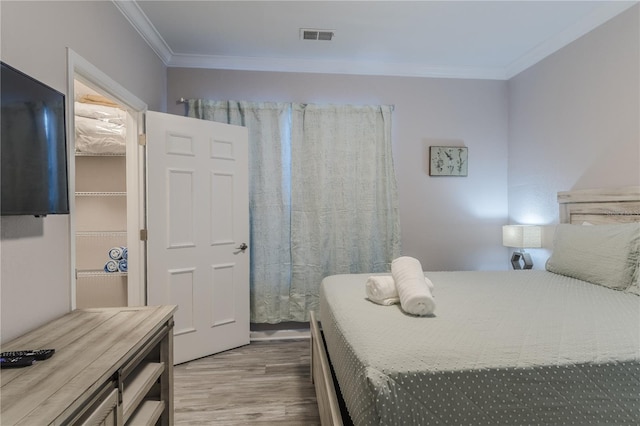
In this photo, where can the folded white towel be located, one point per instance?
(414, 292)
(381, 289)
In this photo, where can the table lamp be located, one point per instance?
(521, 237)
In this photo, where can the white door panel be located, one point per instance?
(198, 217)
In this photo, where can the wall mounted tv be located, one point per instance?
(33, 154)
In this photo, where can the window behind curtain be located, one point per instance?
(323, 197)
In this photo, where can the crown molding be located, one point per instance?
(139, 21)
(569, 35)
(332, 67)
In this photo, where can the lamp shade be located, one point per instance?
(522, 236)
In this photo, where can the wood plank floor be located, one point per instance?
(264, 383)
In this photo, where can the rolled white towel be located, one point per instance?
(111, 266)
(115, 253)
(414, 292)
(123, 265)
(381, 289)
(429, 284)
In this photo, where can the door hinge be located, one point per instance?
(143, 235)
(142, 139)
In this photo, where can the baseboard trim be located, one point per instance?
(265, 335)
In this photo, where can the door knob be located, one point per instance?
(242, 247)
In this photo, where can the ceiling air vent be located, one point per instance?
(310, 34)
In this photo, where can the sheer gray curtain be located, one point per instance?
(322, 197)
(344, 209)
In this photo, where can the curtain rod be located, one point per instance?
(185, 100)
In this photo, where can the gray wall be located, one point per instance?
(569, 122)
(447, 222)
(35, 275)
(574, 122)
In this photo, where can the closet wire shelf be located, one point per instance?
(101, 194)
(97, 154)
(101, 234)
(98, 273)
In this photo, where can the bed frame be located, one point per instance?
(322, 378)
(596, 206)
(600, 206)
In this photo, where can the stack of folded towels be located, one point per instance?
(117, 260)
(406, 285)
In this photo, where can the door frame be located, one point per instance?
(80, 69)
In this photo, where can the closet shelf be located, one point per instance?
(105, 154)
(87, 273)
(101, 234)
(101, 194)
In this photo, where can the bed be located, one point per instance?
(504, 348)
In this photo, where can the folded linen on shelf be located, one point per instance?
(100, 129)
(381, 289)
(125, 253)
(99, 137)
(101, 112)
(123, 265)
(111, 266)
(98, 100)
(414, 292)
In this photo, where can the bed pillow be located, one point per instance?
(602, 254)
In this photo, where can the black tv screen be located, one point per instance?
(33, 155)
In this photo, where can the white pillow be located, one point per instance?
(601, 254)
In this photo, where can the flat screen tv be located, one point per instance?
(33, 155)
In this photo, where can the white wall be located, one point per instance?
(35, 258)
(447, 222)
(574, 122)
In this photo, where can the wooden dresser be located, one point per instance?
(112, 366)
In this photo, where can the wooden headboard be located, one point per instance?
(600, 206)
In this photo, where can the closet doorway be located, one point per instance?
(100, 199)
(107, 170)
(194, 176)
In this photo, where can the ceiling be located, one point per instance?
(457, 39)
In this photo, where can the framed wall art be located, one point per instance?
(448, 161)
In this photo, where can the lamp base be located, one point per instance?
(521, 260)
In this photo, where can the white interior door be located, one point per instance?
(198, 225)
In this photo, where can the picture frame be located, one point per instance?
(448, 161)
